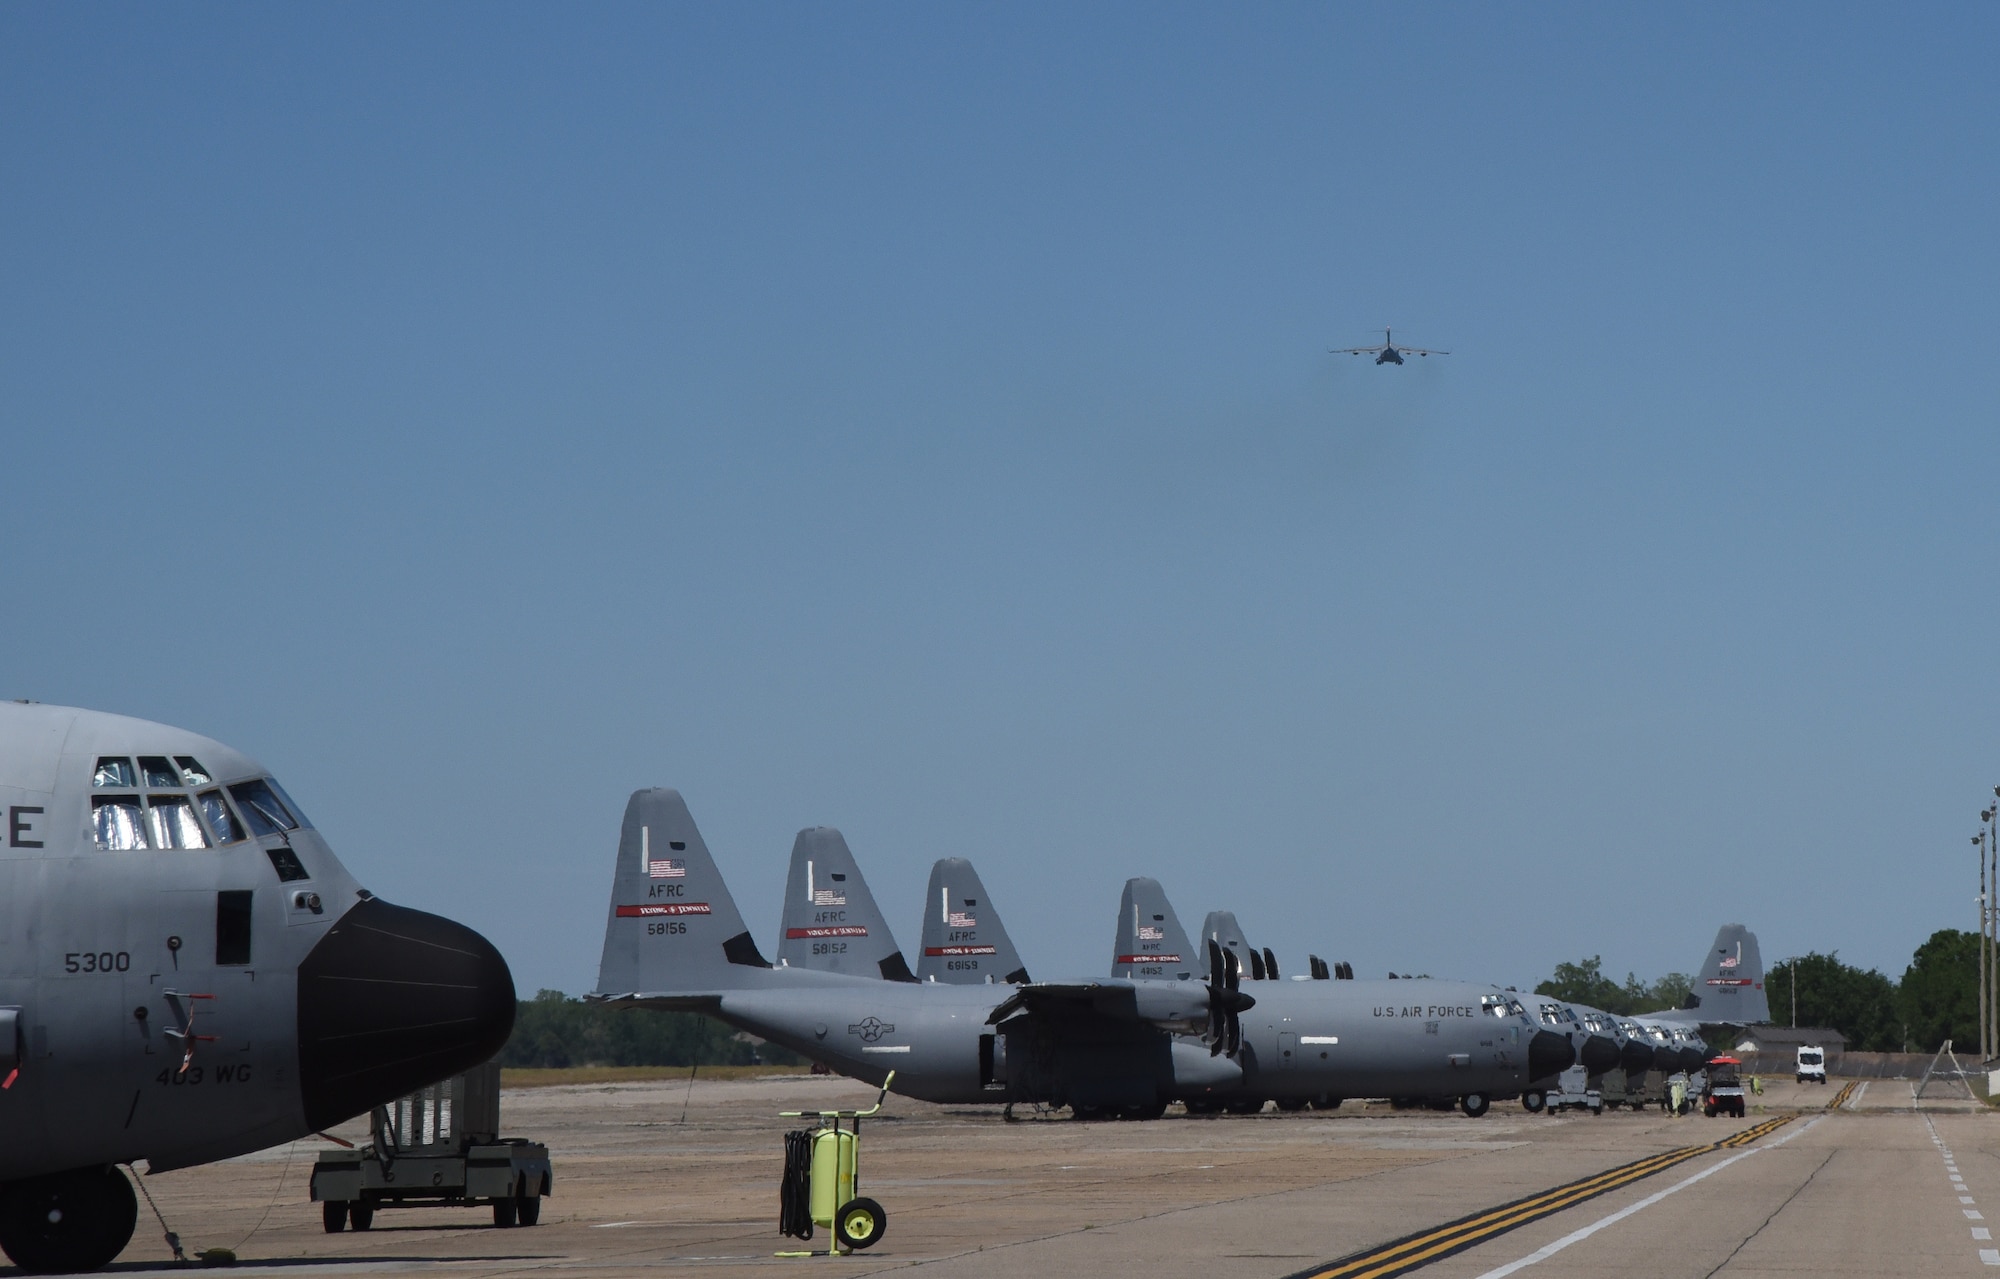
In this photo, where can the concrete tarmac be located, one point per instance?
(1883, 1187)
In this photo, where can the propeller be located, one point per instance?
(1226, 1003)
(1318, 968)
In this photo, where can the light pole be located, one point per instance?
(1985, 1047)
(1993, 930)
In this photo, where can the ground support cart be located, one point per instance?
(437, 1147)
(822, 1174)
(1573, 1092)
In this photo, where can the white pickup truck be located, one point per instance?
(1812, 1065)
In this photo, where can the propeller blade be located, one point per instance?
(1217, 1014)
(1256, 966)
(1270, 964)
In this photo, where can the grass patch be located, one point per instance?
(539, 1077)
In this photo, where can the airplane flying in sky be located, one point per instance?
(1389, 351)
(188, 973)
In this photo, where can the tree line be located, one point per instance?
(1937, 998)
(553, 1030)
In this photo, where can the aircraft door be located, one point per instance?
(1288, 1050)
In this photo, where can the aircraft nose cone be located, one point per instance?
(1636, 1057)
(1549, 1054)
(392, 999)
(1599, 1054)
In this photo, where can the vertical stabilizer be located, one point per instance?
(1221, 928)
(964, 943)
(1730, 987)
(832, 923)
(672, 926)
(1151, 941)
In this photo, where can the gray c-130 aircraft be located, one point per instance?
(188, 973)
(1126, 1045)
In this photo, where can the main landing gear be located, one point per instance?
(67, 1222)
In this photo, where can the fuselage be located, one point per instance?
(159, 889)
(1301, 1040)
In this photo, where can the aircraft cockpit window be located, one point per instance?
(1551, 1015)
(171, 822)
(220, 820)
(196, 774)
(119, 822)
(113, 771)
(1514, 1007)
(298, 814)
(261, 810)
(157, 771)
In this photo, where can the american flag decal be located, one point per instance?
(668, 868)
(1149, 933)
(960, 919)
(829, 897)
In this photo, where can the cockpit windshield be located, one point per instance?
(261, 809)
(168, 816)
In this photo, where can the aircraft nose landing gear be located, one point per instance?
(67, 1222)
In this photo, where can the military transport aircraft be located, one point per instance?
(1388, 352)
(188, 973)
(674, 939)
(1125, 1044)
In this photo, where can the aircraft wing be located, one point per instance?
(667, 1002)
(1417, 350)
(1364, 350)
(1176, 1006)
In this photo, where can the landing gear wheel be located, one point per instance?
(1532, 1102)
(503, 1212)
(528, 1209)
(1152, 1110)
(860, 1223)
(1292, 1107)
(1203, 1106)
(333, 1215)
(1474, 1104)
(361, 1216)
(68, 1222)
(1246, 1106)
(1086, 1114)
(1324, 1102)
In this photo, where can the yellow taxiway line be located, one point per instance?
(1403, 1255)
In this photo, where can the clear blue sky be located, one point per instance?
(918, 420)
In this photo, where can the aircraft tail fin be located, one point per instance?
(1221, 928)
(832, 923)
(964, 942)
(1151, 941)
(1730, 987)
(672, 927)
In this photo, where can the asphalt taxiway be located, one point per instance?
(660, 1176)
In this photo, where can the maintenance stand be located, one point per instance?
(439, 1146)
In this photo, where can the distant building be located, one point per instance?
(1775, 1049)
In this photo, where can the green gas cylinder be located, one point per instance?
(833, 1160)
